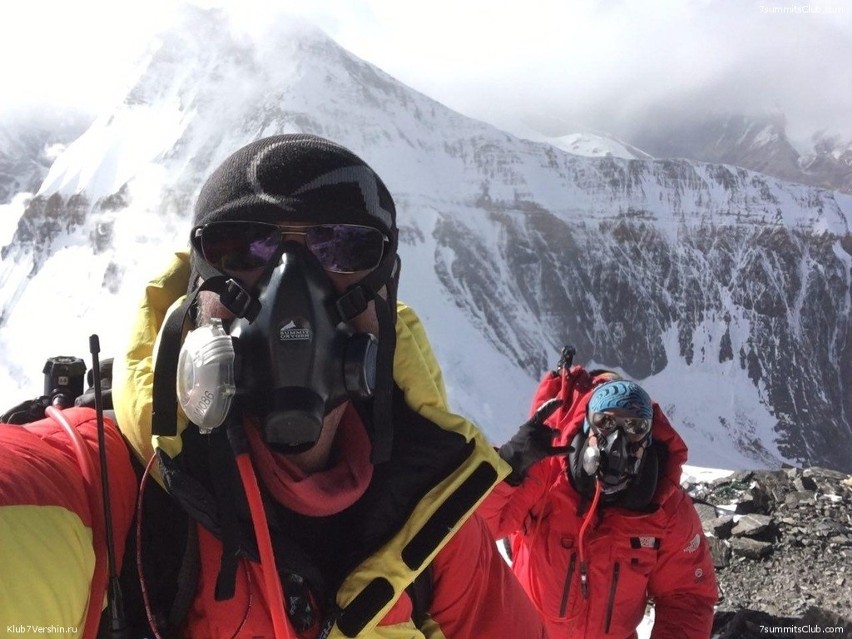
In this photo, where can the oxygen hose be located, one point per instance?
(274, 592)
(91, 485)
(146, 601)
(584, 564)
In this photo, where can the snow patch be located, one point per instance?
(597, 145)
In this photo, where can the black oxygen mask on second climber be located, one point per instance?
(613, 459)
(299, 360)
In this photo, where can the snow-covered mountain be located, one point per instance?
(830, 161)
(724, 291)
(29, 142)
(756, 142)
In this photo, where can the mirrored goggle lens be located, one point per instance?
(245, 246)
(346, 248)
(605, 423)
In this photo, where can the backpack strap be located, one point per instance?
(420, 593)
(170, 562)
(187, 577)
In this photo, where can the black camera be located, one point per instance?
(63, 380)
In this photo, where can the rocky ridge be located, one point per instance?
(758, 142)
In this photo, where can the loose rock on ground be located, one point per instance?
(782, 545)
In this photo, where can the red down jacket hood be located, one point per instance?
(574, 387)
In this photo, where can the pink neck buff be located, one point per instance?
(325, 492)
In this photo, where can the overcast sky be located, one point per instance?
(556, 62)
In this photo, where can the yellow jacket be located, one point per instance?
(411, 547)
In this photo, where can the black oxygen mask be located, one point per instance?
(613, 459)
(299, 360)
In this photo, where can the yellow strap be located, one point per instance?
(397, 631)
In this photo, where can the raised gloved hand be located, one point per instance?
(87, 399)
(532, 443)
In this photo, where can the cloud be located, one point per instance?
(72, 53)
(601, 63)
(590, 62)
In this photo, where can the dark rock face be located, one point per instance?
(787, 563)
(614, 287)
(44, 221)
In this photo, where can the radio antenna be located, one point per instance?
(115, 598)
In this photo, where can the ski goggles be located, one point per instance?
(244, 246)
(604, 423)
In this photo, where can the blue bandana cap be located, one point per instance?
(622, 395)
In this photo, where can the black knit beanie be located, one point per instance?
(301, 178)
(305, 178)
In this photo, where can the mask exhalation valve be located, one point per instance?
(205, 381)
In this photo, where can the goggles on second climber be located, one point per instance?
(604, 423)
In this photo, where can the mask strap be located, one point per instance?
(353, 303)
(233, 296)
(382, 426)
(201, 267)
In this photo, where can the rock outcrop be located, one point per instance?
(782, 545)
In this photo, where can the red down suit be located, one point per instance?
(630, 556)
(53, 556)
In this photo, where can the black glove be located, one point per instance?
(87, 399)
(532, 443)
(26, 412)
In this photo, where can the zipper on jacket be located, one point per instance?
(567, 587)
(611, 601)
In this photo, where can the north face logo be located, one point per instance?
(693, 545)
